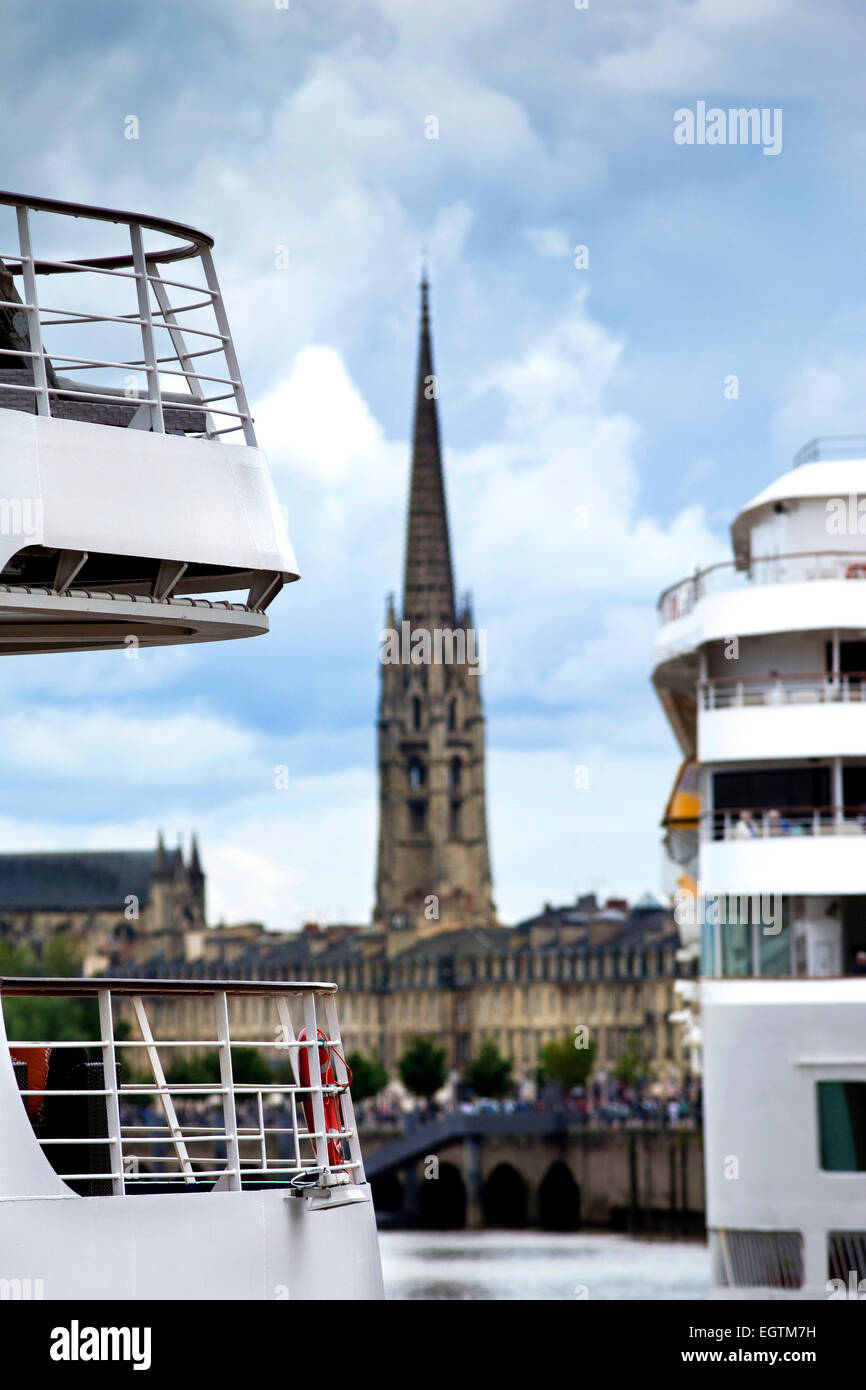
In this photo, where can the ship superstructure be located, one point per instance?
(760, 665)
(133, 498)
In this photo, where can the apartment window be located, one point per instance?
(842, 1126)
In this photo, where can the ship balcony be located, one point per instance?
(801, 591)
(801, 850)
(131, 487)
(755, 717)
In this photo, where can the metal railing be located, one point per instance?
(221, 1133)
(795, 568)
(757, 1259)
(770, 822)
(810, 688)
(825, 448)
(139, 331)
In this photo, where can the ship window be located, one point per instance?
(842, 1126)
(765, 788)
(736, 943)
(774, 946)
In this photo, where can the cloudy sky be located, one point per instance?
(561, 388)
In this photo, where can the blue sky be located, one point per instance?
(559, 388)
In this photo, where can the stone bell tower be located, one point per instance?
(433, 863)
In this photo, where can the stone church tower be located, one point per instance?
(433, 863)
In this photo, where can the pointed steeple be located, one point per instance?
(160, 862)
(428, 585)
(194, 857)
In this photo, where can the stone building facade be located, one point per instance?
(115, 907)
(609, 967)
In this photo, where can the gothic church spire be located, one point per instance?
(428, 586)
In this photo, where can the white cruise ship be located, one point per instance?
(760, 665)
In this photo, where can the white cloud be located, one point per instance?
(822, 398)
(551, 242)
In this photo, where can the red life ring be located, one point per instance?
(331, 1103)
(36, 1061)
(856, 571)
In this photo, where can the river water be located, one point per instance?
(535, 1265)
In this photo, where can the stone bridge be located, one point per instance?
(536, 1169)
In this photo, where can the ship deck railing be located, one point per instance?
(790, 688)
(149, 350)
(798, 567)
(231, 1146)
(770, 822)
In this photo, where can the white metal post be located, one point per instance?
(28, 275)
(342, 1075)
(112, 1104)
(312, 1045)
(837, 790)
(182, 352)
(144, 314)
(230, 1119)
(174, 1128)
(288, 1034)
(228, 345)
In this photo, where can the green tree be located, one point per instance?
(248, 1067)
(369, 1077)
(631, 1063)
(566, 1064)
(488, 1074)
(35, 1019)
(422, 1067)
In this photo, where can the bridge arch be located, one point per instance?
(388, 1192)
(505, 1197)
(558, 1199)
(442, 1200)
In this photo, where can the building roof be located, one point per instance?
(70, 881)
(462, 941)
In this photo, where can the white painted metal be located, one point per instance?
(150, 365)
(332, 1027)
(228, 1242)
(766, 1044)
(312, 1049)
(186, 504)
(233, 1161)
(32, 310)
(165, 1099)
(112, 1102)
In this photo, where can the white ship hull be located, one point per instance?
(225, 1245)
